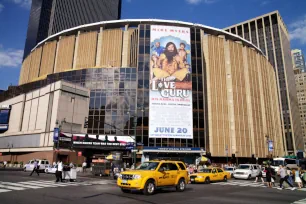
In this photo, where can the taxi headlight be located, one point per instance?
(136, 176)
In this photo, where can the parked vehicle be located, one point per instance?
(42, 163)
(154, 174)
(230, 169)
(209, 174)
(287, 162)
(51, 169)
(246, 171)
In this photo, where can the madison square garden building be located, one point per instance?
(183, 89)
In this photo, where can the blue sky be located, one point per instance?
(14, 15)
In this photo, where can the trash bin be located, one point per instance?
(69, 174)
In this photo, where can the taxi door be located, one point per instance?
(220, 174)
(174, 173)
(214, 176)
(163, 175)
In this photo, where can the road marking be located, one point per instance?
(4, 190)
(300, 201)
(12, 187)
(36, 184)
(20, 185)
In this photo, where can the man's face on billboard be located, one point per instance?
(170, 48)
(157, 44)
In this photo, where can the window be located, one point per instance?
(181, 166)
(220, 171)
(214, 171)
(164, 166)
(172, 167)
(47, 162)
(42, 162)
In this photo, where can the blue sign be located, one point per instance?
(56, 135)
(270, 146)
(173, 148)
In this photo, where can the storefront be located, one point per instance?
(185, 154)
(94, 147)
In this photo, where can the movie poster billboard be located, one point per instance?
(170, 83)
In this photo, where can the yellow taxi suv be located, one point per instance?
(153, 175)
(208, 175)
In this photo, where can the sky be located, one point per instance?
(14, 16)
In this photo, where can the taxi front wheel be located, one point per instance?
(149, 188)
(181, 185)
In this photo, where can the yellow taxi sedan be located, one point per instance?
(208, 175)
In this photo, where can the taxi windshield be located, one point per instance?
(148, 166)
(205, 171)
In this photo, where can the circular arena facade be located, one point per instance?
(228, 100)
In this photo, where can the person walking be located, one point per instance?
(35, 169)
(284, 177)
(303, 177)
(59, 172)
(269, 173)
(297, 178)
(84, 165)
(259, 176)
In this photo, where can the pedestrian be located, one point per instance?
(4, 164)
(284, 177)
(297, 178)
(59, 172)
(84, 165)
(269, 174)
(35, 169)
(303, 177)
(259, 176)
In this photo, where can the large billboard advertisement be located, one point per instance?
(170, 83)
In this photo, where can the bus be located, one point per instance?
(287, 162)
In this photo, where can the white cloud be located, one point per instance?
(297, 30)
(1, 7)
(23, 3)
(264, 3)
(201, 1)
(10, 57)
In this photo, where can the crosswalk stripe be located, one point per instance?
(20, 185)
(36, 184)
(61, 184)
(12, 187)
(4, 190)
(49, 184)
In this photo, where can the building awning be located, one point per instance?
(189, 150)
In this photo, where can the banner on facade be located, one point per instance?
(170, 83)
(270, 146)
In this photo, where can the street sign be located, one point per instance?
(79, 154)
(56, 134)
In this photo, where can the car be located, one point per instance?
(208, 175)
(153, 175)
(263, 172)
(51, 169)
(246, 171)
(230, 169)
(42, 163)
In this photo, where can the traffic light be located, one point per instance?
(86, 122)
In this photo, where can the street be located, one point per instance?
(19, 187)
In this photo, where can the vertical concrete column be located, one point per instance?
(99, 48)
(265, 37)
(75, 56)
(125, 47)
(209, 105)
(248, 97)
(56, 54)
(257, 37)
(230, 97)
(262, 98)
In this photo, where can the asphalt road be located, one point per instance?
(42, 189)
